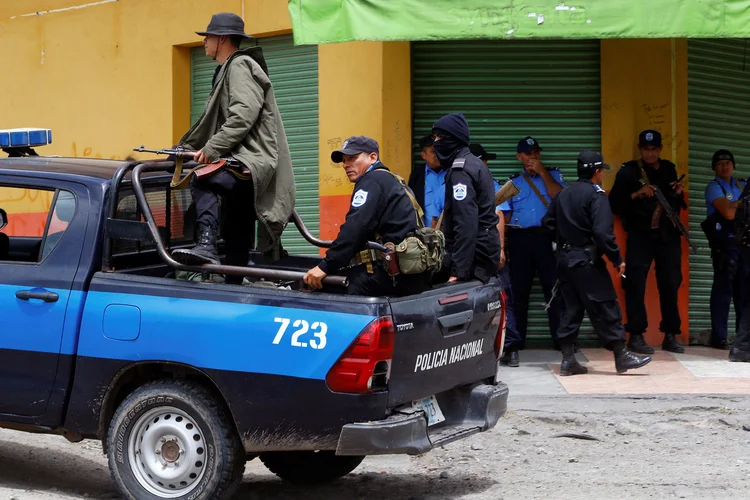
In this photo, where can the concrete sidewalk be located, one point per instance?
(701, 370)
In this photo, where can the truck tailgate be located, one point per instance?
(444, 338)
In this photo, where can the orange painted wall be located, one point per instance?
(644, 85)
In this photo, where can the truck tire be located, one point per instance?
(309, 467)
(171, 439)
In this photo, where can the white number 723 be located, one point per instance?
(319, 330)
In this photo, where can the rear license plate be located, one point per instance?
(431, 408)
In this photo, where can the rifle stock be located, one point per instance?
(674, 218)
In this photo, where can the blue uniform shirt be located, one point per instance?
(526, 208)
(731, 190)
(434, 193)
(503, 205)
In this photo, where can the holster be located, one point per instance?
(390, 260)
(574, 256)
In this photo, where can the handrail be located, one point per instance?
(305, 232)
(272, 274)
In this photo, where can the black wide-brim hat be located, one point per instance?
(225, 24)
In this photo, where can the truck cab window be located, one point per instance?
(37, 219)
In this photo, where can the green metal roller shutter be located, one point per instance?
(294, 74)
(718, 117)
(507, 90)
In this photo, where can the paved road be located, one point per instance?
(646, 447)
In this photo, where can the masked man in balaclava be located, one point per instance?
(469, 219)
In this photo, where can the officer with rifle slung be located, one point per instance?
(383, 210)
(648, 197)
(581, 222)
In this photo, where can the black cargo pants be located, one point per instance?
(238, 224)
(586, 287)
(643, 249)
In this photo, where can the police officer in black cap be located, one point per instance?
(651, 238)
(470, 222)
(581, 222)
(380, 211)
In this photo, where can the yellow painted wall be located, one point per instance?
(113, 75)
(644, 85)
(364, 90)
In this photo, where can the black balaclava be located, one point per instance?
(453, 130)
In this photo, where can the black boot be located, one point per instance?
(639, 345)
(670, 344)
(202, 253)
(570, 365)
(510, 358)
(739, 356)
(626, 360)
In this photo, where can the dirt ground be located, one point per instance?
(565, 447)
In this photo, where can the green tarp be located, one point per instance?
(330, 21)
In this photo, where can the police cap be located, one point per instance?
(591, 161)
(649, 138)
(354, 146)
(426, 141)
(722, 154)
(481, 153)
(527, 145)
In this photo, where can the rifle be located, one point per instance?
(178, 152)
(505, 193)
(676, 221)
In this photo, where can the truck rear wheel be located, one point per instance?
(309, 467)
(171, 439)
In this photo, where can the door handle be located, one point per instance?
(45, 296)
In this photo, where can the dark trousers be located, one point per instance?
(381, 284)
(513, 339)
(238, 224)
(643, 249)
(588, 288)
(530, 251)
(742, 340)
(731, 274)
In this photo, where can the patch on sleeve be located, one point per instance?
(599, 188)
(359, 199)
(459, 192)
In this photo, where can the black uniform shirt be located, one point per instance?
(636, 213)
(379, 206)
(580, 215)
(470, 221)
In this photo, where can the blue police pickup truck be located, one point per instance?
(184, 378)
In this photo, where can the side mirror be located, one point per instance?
(3, 218)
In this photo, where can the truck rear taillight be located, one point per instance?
(365, 366)
(500, 339)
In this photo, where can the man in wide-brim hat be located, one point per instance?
(241, 123)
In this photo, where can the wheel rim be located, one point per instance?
(167, 452)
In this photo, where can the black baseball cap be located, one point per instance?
(591, 160)
(479, 151)
(527, 145)
(722, 154)
(355, 145)
(649, 138)
(426, 141)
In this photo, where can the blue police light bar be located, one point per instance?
(25, 137)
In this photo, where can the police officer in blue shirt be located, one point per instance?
(529, 247)
(513, 338)
(427, 182)
(731, 268)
